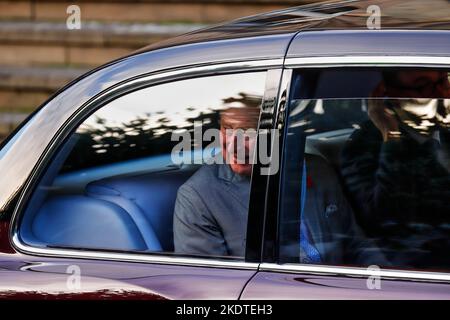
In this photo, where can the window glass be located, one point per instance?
(161, 169)
(366, 177)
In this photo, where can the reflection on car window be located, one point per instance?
(374, 167)
(155, 171)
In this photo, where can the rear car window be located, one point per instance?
(366, 176)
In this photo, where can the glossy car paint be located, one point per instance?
(262, 37)
(272, 285)
(5, 245)
(29, 277)
(370, 43)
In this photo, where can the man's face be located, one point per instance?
(419, 84)
(237, 145)
(421, 89)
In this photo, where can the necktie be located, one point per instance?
(311, 254)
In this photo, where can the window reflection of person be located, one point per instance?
(211, 209)
(396, 167)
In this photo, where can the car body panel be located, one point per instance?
(23, 276)
(5, 245)
(370, 43)
(51, 286)
(279, 285)
(336, 15)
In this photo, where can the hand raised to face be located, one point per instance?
(381, 115)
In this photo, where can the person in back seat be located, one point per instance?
(397, 170)
(211, 208)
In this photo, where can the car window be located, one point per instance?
(366, 176)
(156, 170)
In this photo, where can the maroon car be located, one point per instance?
(115, 188)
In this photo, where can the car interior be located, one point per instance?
(122, 206)
(127, 206)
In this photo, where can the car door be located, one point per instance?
(358, 212)
(96, 218)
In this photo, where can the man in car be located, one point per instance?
(396, 167)
(211, 208)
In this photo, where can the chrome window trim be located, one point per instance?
(355, 272)
(185, 73)
(131, 257)
(127, 86)
(373, 61)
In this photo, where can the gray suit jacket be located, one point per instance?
(211, 212)
(211, 216)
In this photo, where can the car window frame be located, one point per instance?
(272, 69)
(271, 260)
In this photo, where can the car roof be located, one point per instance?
(350, 15)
